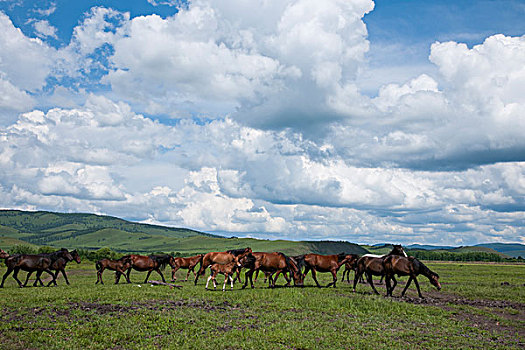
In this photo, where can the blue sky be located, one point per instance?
(397, 121)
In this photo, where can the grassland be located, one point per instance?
(473, 310)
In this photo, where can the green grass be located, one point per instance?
(85, 315)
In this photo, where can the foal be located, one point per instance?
(185, 263)
(227, 270)
(119, 266)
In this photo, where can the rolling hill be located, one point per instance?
(90, 231)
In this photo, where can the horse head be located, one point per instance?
(3, 254)
(434, 280)
(398, 250)
(76, 256)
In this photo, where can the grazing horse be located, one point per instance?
(325, 263)
(148, 263)
(271, 263)
(372, 265)
(185, 263)
(58, 259)
(350, 265)
(119, 266)
(220, 258)
(227, 270)
(401, 266)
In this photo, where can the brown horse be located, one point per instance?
(271, 263)
(26, 262)
(59, 265)
(325, 263)
(58, 260)
(149, 263)
(119, 266)
(372, 265)
(401, 266)
(350, 265)
(185, 263)
(220, 258)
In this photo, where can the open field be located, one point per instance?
(473, 310)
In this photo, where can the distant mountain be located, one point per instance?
(89, 231)
(510, 249)
(428, 247)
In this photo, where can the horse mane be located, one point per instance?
(341, 256)
(237, 252)
(249, 260)
(423, 269)
(299, 261)
(161, 260)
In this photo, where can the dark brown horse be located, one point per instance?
(325, 263)
(58, 259)
(149, 263)
(401, 266)
(350, 265)
(59, 265)
(119, 266)
(26, 262)
(372, 265)
(271, 263)
(220, 258)
(185, 263)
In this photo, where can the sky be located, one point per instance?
(394, 121)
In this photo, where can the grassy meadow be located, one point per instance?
(473, 310)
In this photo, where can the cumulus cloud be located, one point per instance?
(44, 29)
(289, 146)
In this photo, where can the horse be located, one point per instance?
(185, 263)
(273, 263)
(401, 266)
(372, 265)
(324, 263)
(26, 262)
(59, 259)
(148, 263)
(350, 265)
(59, 265)
(397, 249)
(119, 266)
(227, 270)
(220, 258)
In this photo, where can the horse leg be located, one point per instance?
(188, 274)
(226, 278)
(147, 276)
(207, 282)
(127, 275)
(314, 275)
(334, 274)
(381, 280)
(201, 271)
(273, 280)
(173, 270)
(358, 274)
(257, 276)
(7, 273)
(418, 290)
(406, 287)
(288, 279)
(371, 282)
(231, 281)
(63, 274)
(15, 276)
(161, 275)
(27, 277)
(394, 286)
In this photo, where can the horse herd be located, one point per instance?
(230, 263)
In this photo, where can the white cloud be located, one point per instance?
(44, 29)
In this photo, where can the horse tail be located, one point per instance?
(98, 265)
